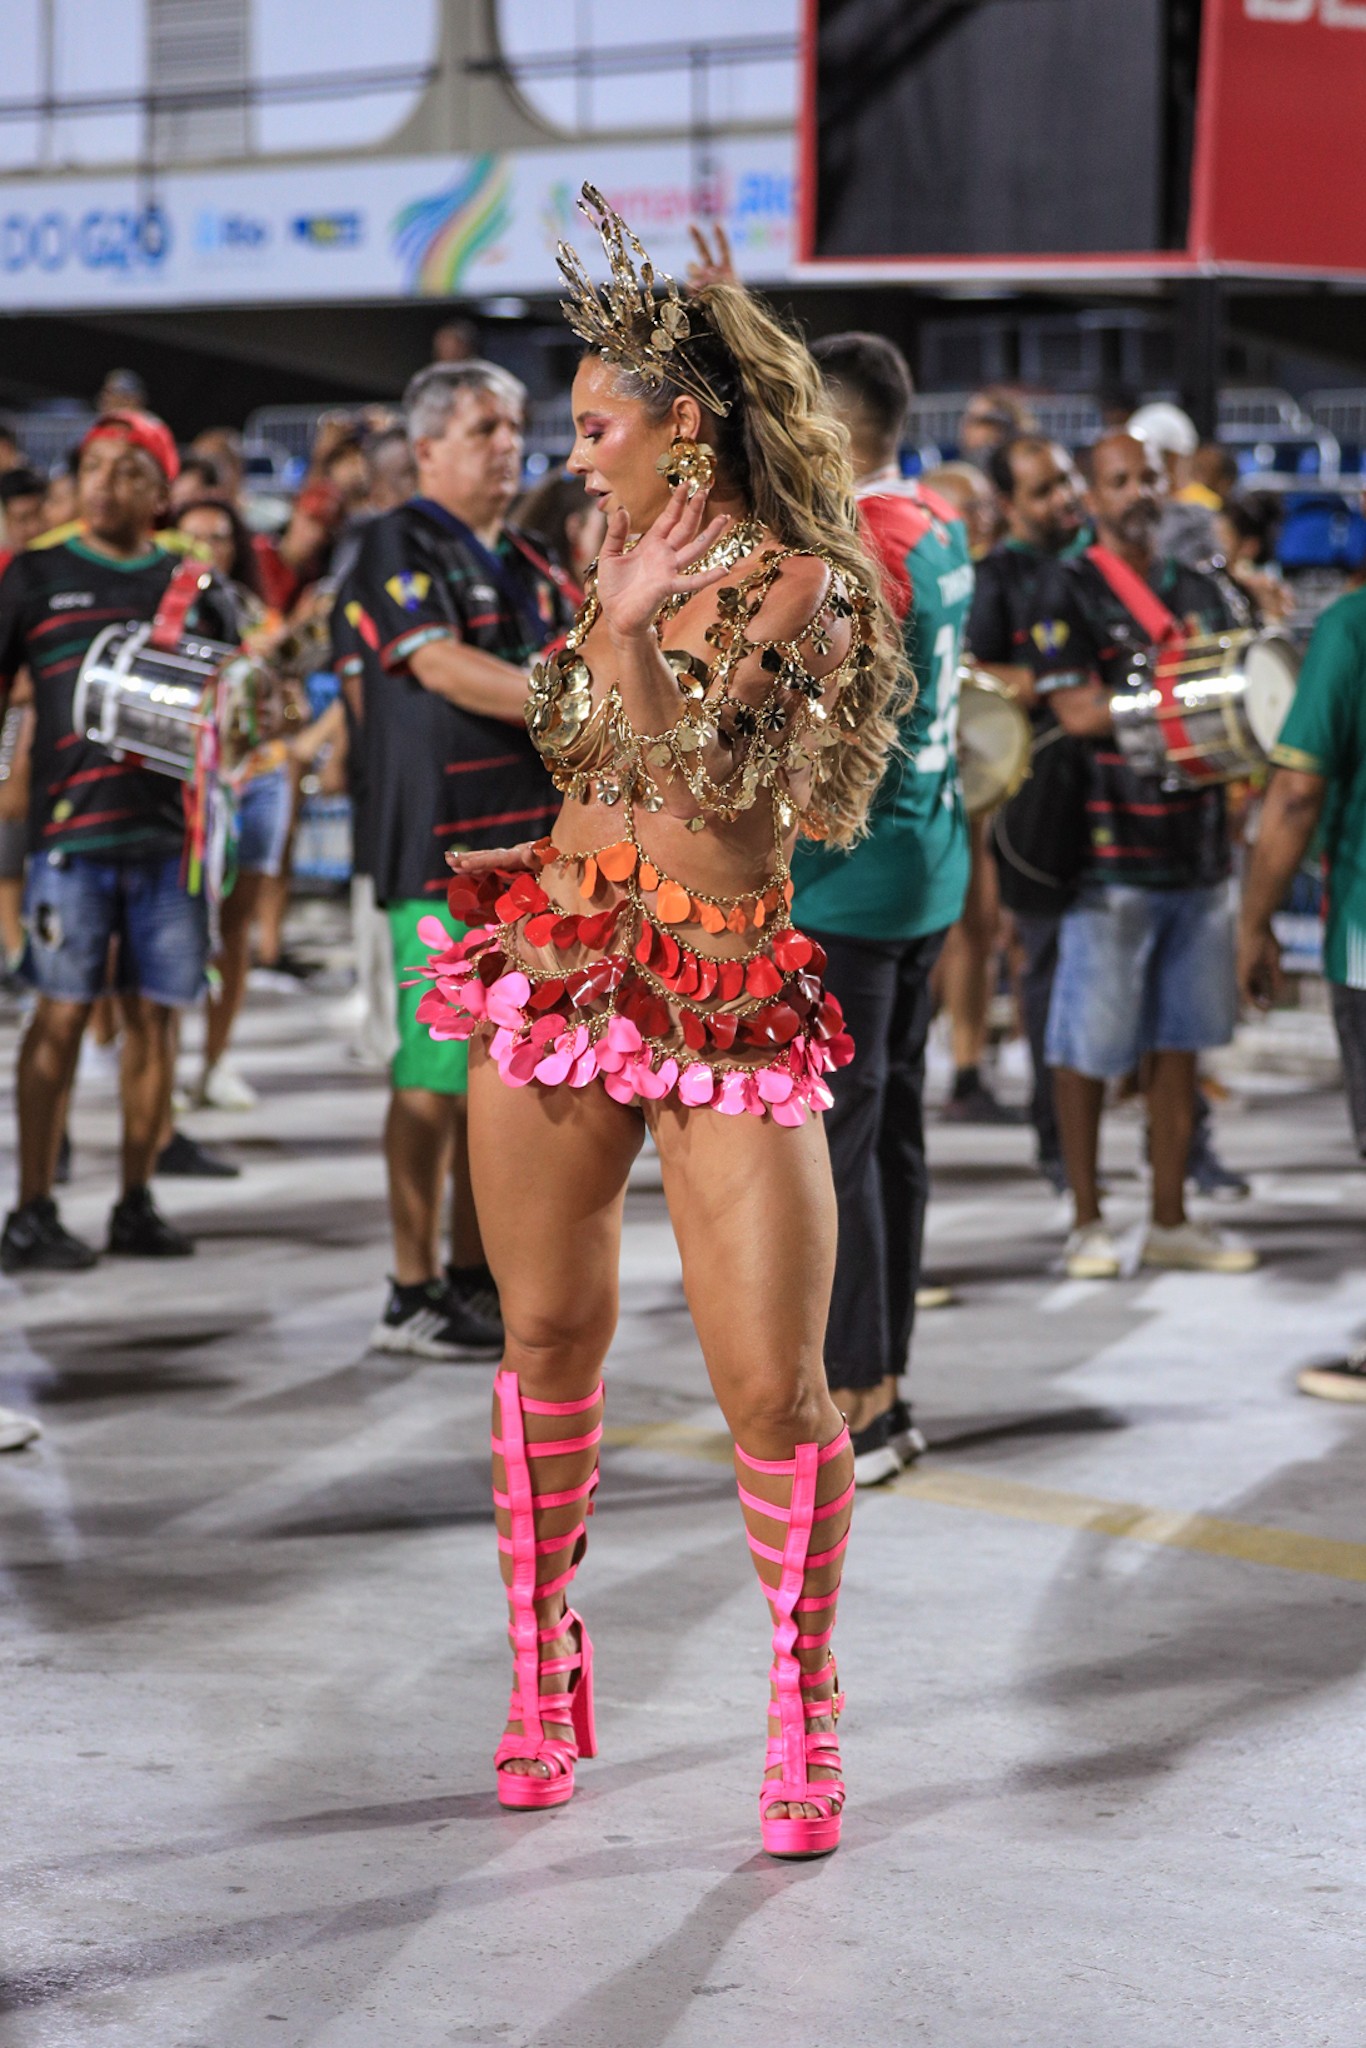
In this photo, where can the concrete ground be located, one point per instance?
(1104, 1649)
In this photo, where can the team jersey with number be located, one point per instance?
(910, 875)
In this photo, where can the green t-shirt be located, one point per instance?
(910, 875)
(1325, 734)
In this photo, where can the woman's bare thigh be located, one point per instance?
(753, 1208)
(549, 1168)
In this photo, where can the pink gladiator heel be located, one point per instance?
(556, 1727)
(801, 1695)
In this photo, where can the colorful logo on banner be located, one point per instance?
(438, 239)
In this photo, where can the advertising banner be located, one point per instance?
(377, 227)
(1278, 181)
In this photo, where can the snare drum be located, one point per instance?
(993, 742)
(1209, 712)
(155, 703)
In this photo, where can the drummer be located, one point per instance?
(881, 912)
(105, 847)
(1145, 953)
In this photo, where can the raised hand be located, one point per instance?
(633, 584)
(714, 263)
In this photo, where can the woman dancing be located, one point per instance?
(730, 679)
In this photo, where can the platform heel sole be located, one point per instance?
(800, 1840)
(524, 1791)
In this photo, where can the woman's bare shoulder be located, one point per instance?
(801, 588)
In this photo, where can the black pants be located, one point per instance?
(1039, 944)
(1349, 1015)
(877, 1148)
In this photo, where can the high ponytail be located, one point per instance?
(782, 446)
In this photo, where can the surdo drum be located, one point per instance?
(1209, 711)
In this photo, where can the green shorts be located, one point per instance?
(442, 1065)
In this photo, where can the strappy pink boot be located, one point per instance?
(804, 1678)
(557, 1726)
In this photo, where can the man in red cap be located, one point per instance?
(105, 848)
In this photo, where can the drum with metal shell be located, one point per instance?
(154, 703)
(1208, 711)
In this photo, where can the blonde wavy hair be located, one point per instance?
(782, 445)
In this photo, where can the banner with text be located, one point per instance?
(378, 228)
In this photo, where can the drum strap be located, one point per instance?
(168, 627)
(1138, 598)
(1168, 637)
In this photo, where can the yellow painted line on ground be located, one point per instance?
(1288, 1550)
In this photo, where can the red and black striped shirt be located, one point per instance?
(53, 603)
(434, 776)
(1141, 833)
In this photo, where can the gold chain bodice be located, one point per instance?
(594, 752)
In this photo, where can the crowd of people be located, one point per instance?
(418, 573)
(722, 896)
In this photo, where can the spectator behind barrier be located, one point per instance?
(23, 496)
(200, 477)
(969, 491)
(991, 418)
(223, 447)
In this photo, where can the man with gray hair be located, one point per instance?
(446, 606)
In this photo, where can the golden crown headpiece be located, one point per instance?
(638, 318)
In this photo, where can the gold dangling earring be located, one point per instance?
(688, 462)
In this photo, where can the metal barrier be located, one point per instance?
(1341, 412)
(1261, 412)
(291, 427)
(47, 438)
(1261, 420)
(1285, 446)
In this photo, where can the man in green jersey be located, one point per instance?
(881, 909)
(1320, 779)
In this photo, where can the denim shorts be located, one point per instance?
(264, 809)
(75, 903)
(1142, 970)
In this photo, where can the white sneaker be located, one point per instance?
(933, 1297)
(1345, 1381)
(17, 1430)
(224, 1088)
(1091, 1254)
(875, 1461)
(1196, 1248)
